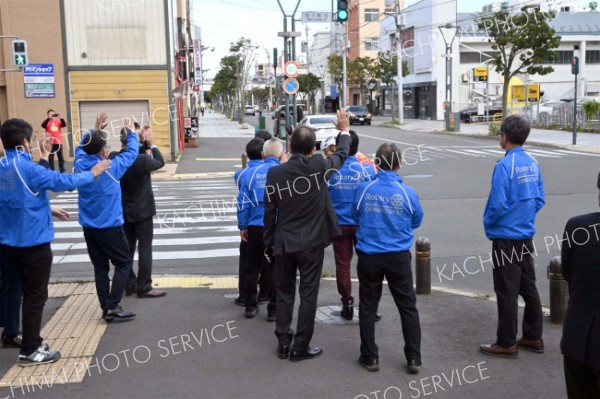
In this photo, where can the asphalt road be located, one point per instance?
(451, 175)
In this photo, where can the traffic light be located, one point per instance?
(274, 57)
(342, 11)
(19, 53)
(575, 65)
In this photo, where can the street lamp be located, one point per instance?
(448, 56)
(202, 48)
(398, 18)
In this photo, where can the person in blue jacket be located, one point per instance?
(254, 154)
(342, 187)
(101, 216)
(251, 211)
(26, 227)
(387, 212)
(516, 196)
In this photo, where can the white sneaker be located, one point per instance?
(40, 356)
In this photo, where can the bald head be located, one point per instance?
(303, 140)
(273, 148)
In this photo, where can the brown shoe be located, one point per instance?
(530, 345)
(499, 351)
(152, 294)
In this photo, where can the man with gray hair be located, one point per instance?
(251, 212)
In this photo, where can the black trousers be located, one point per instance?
(396, 268)
(140, 234)
(10, 295)
(514, 275)
(33, 265)
(583, 381)
(58, 150)
(258, 266)
(106, 245)
(310, 264)
(242, 267)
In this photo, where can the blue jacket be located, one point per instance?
(516, 196)
(100, 201)
(251, 208)
(387, 212)
(343, 185)
(239, 173)
(25, 213)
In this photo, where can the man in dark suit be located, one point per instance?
(299, 221)
(580, 343)
(138, 211)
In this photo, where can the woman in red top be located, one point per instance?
(53, 125)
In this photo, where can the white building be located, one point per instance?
(424, 49)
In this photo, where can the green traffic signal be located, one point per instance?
(19, 53)
(342, 11)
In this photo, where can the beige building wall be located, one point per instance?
(37, 22)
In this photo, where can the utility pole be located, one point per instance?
(398, 18)
(448, 56)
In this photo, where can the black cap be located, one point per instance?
(598, 181)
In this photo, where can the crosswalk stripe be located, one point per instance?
(158, 255)
(570, 152)
(541, 153)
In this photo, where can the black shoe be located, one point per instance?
(271, 316)
(251, 311)
(370, 363)
(118, 314)
(414, 366)
(283, 351)
(308, 353)
(11, 342)
(378, 317)
(240, 301)
(348, 310)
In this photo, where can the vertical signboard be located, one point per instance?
(197, 62)
(39, 80)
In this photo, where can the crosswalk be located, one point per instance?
(195, 219)
(423, 153)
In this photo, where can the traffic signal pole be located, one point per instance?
(575, 71)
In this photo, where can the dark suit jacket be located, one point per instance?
(299, 213)
(136, 187)
(581, 268)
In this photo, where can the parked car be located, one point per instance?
(358, 114)
(279, 115)
(542, 112)
(471, 114)
(249, 110)
(323, 125)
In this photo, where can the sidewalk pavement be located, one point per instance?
(195, 343)
(586, 142)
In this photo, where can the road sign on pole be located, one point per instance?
(290, 69)
(291, 86)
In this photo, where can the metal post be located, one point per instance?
(294, 103)
(244, 160)
(575, 113)
(448, 87)
(559, 291)
(399, 65)
(344, 67)
(423, 265)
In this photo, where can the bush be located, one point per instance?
(493, 130)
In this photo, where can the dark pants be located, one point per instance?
(257, 266)
(514, 275)
(343, 249)
(140, 234)
(583, 381)
(10, 295)
(58, 150)
(242, 266)
(396, 269)
(33, 266)
(104, 245)
(310, 264)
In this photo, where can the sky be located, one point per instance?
(225, 21)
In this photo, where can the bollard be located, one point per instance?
(423, 265)
(244, 160)
(559, 291)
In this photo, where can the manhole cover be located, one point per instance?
(417, 176)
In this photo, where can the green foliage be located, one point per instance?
(521, 43)
(591, 108)
(493, 130)
(260, 94)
